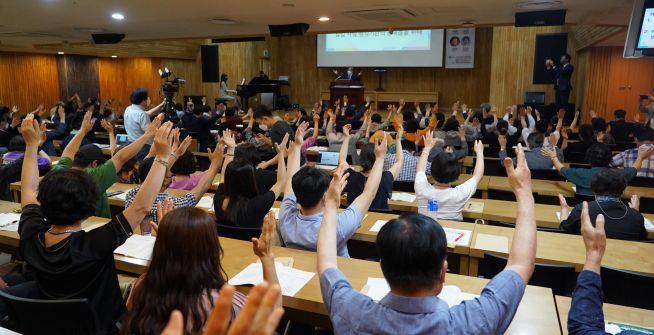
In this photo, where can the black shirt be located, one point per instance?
(357, 181)
(621, 128)
(202, 127)
(620, 221)
(249, 214)
(278, 130)
(265, 179)
(80, 266)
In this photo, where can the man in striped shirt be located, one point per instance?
(644, 137)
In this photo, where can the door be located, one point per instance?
(617, 90)
(640, 82)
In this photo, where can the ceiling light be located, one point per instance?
(323, 19)
(223, 21)
(60, 53)
(117, 16)
(88, 30)
(467, 24)
(114, 56)
(538, 4)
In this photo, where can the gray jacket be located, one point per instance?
(535, 159)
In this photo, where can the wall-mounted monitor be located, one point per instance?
(640, 37)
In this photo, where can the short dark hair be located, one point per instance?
(599, 155)
(67, 196)
(309, 185)
(249, 152)
(144, 168)
(445, 168)
(535, 140)
(262, 111)
(367, 156)
(230, 112)
(599, 124)
(478, 115)
(409, 145)
(197, 110)
(451, 124)
(185, 165)
(485, 107)
(440, 120)
(412, 249)
(586, 132)
(376, 118)
(407, 115)
(567, 56)
(542, 125)
(17, 143)
(502, 127)
(608, 182)
(620, 113)
(411, 126)
(139, 95)
(643, 134)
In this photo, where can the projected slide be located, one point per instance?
(403, 40)
(403, 48)
(646, 38)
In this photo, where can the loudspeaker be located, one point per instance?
(209, 58)
(540, 18)
(288, 29)
(107, 38)
(548, 46)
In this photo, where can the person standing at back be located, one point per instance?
(562, 75)
(137, 119)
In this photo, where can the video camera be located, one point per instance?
(169, 88)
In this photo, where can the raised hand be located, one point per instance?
(548, 152)
(634, 202)
(228, 138)
(163, 208)
(31, 131)
(479, 148)
(643, 154)
(564, 204)
(520, 176)
(428, 141)
(594, 239)
(336, 186)
(346, 130)
(163, 141)
(299, 133)
(87, 123)
(399, 132)
(107, 126)
(381, 147)
(316, 117)
(262, 246)
(283, 146)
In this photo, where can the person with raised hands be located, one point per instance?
(445, 169)
(67, 262)
(413, 259)
(189, 277)
(307, 186)
(189, 199)
(109, 128)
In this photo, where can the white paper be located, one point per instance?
(137, 246)
(9, 221)
(378, 288)
(325, 167)
(378, 225)
(205, 202)
(122, 196)
(102, 146)
(291, 280)
(648, 224)
(54, 162)
(558, 216)
(612, 329)
(402, 196)
(453, 234)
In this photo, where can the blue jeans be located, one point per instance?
(586, 316)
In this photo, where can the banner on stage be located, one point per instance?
(460, 48)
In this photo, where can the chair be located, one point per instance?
(493, 167)
(627, 288)
(36, 316)
(576, 157)
(239, 233)
(560, 278)
(546, 175)
(581, 198)
(403, 186)
(642, 181)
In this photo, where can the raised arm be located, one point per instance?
(230, 142)
(146, 195)
(154, 111)
(216, 158)
(342, 154)
(642, 156)
(74, 144)
(399, 154)
(551, 154)
(281, 167)
(112, 136)
(294, 158)
(133, 148)
(522, 256)
(429, 142)
(327, 236)
(29, 187)
(364, 200)
(262, 247)
(573, 125)
(478, 173)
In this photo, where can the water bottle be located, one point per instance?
(432, 208)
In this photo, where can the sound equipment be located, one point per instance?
(548, 46)
(107, 38)
(540, 18)
(288, 29)
(209, 58)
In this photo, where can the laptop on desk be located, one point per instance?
(328, 160)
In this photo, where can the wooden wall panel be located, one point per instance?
(78, 74)
(118, 77)
(27, 80)
(512, 65)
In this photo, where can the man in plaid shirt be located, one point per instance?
(408, 172)
(644, 136)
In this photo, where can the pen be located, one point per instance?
(458, 237)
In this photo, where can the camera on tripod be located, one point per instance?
(169, 88)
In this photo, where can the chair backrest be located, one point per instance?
(579, 198)
(546, 175)
(642, 181)
(627, 288)
(403, 186)
(36, 316)
(239, 233)
(560, 278)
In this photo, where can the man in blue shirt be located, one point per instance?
(136, 119)
(413, 250)
(299, 226)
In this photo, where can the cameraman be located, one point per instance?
(137, 119)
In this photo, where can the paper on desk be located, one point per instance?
(402, 196)
(54, 162)
(492, 243)
(378, 225)
(102, 146)
(137, 246)
(94, 226)
(9, 221)
(558, 216)
(648, 224)
(122, 196)
(612, 327)
(377, 289)
(291, 280)
(452, 234)
(205, 202)
(474, 206)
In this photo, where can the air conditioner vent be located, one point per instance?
(384, 15)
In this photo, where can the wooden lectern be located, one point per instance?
(353, 90)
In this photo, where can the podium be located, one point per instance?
(353, 90)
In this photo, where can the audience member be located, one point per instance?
(536, 160)
(185, 175)
(644, 140)
(619, 126)
(137, 119)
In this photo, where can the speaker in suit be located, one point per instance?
(348, 75)
(562, 85)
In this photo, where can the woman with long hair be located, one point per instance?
(238, 201)
(188, 276)
(225, 91)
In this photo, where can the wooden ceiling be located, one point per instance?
(176, 49)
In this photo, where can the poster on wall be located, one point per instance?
(460, 48)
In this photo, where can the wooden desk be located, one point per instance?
(556, 248)
(536, 313)
(392, 96)
(540, 187)
(505, 211)
(616, 313)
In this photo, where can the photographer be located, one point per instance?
(137, 118)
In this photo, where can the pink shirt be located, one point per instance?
(187, 183)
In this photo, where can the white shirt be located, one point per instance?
(136, 122)
(450, 201)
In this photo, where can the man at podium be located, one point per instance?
(348, 75)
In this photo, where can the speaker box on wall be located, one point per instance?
(107, 38)
(288, 29)
(540, 18)
(209, 58)
(548, 46)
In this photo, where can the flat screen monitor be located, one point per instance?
(640, 37)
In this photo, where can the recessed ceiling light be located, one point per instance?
(117, 16)
(223, 21)
(114, 56)
(60, 53)
(467, 24)
(323, 19)
(538, 4)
